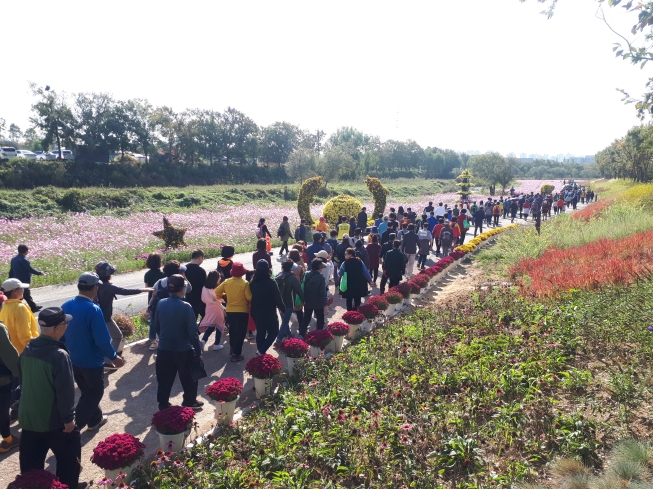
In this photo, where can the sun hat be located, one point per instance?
(53, 316)
(11, 284)
(322, 254)
(238, 269)
(345, 236)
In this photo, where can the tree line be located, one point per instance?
(630, 157)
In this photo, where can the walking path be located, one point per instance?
(130, 392)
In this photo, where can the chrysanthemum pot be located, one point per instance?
(263, 387)
(390, 310)
(337, 343)
(224, 411)
(171, 442)
(315, 351)
(353, 331)
(365, 327)
(407, 301)
(113, 474)
(291, 362)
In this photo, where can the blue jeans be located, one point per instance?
(284, 331)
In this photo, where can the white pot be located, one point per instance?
(407, 301)
(353, 331)
(365, 327)
(263, 387)
(315, 351)
(398, 307)
(113, 474)
(337, 343)
(390, 310)
(171, 442)
(224, 411)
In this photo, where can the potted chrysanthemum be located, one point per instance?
(293, 349)
(225, 393)
(395, 300)
(354, 320)
(173, 424)
(370, 312)
(338, 330)
(263, 369)
(318, 340)
(117, 454)
(36, 479)
(422, 281)
(405, 290)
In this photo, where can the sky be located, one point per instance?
(484, 75)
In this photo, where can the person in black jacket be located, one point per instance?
(362, 219)
(479, 216)
(196, 276)
(315, 297)
(358, 277)
(290, 288)
(409, 243)
(106, 293)
(266, 299)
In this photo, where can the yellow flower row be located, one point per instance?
(472, 244)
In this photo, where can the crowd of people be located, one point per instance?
(76, 344)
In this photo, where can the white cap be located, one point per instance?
(11, 284)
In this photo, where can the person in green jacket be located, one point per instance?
(47, 408)
(8, 371)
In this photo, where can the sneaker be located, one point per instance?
(104, 420)
(250, 334)
(37, 308)
(202, 344)
(197, 406)
(218, 346)
(237, 358)
(154, 345)
(5, 446)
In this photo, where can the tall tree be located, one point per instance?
(334, 161)
(236, 130)
(302, 164)
(15, 134)
(53, 117)
(278, 141)
(98, 130)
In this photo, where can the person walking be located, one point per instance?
(464, 225)
(373, 250)
(410, 242)
(47, 414)
(343, 227)
(488, 213)
(88, 341)
(239, 296)
(17, 316)
(179, 345)
(196, 276)
(424, 241)
(261, 253)
(362, 254)
(284, 235)
(300, 231)
(214, 318)
(362, 219)
(514, 207)
(266, 299)
(314, 247)
(437, 229)
(527, 209)
(394, 265)
(8, 373)
(154, 272)
(496, 214)
(105, 295)
(290, 289)
(446, 238)
(22, 270)
(315, 297)
(262, 232)
(352, 225)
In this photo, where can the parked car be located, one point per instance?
(45, 155)
(7, 152)
(26, 154)
(65, 154)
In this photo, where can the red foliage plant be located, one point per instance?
(393, 297)
(36, 479)
(338, 329)
(117, 451)
(404, 289)
(353, 317)
(444, 262)
(370, 311)
(379, 301)
(294, 348)
(318, 338)
(592, 211)
(588, 266)
(173, 420)
(456, 255)
(263, 367)
(224, 390)
(421, 280)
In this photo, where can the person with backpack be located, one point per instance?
(214, 318)
(394, 266)
(196, 276)
(290, 289)
(161, 292)
(284, 234)
(22, 270)
(496, 214)
(314, 247)
(424, 241)
(266, 300)
(262, 231)
(315, 297)
(239, 296)
(527, 209)
(479, 216)
(332, 241)
(225, 263)
(488, 213)
(446, 238)
(535, 209)
(106, 293)
(154, 273)
(300, 231)
(514, 207)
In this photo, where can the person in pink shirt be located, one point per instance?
(214, 318)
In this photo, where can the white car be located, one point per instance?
(65, 154)
(7, 152)
(45, 155)
(26, 154)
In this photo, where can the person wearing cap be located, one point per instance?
(89, 343)
(106, 294)
(343, 227)
(17, 316)
(47, 412)
(266, 300)
(358, 277)
(315, 297)
(362, 219)
(179, 344)
(314, 247)
(284, 234)
(447, 238)
(8, 372)
(22, 270)
(239, 295)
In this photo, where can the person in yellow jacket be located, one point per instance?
(17, 316)
(343, 227)
(322, 225)
(238, 296)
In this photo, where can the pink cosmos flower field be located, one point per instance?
(65, 246)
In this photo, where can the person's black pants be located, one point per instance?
(437, 246)
(384, 281)
(394, 281)
(462, 237)
(496, 220)
(284, 246)
(209, 331)
(5, 405)
(237, 331)
(478, 227)
(90, 382)
(199, 308)
(267, 329)
(421, 261)
(374, 273)
(353, 303)
(67, 449)
(168, 364)
(488, 219)
(27, 296)
(308, 314)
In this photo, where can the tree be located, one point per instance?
(3, 125)
(53, 116)
(331, 165)
(15, 134)
(98, 128)
(637, 152)
(488, 168)
(302, 164)
(278, 141)
(236, 131)
(163, 121)
(433, 163)
(140, 115)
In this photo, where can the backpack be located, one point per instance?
(280, 231)
(535, 207)
(259, 233)
(446, 236)
(282, 283)
(158, 295)
(221, 271)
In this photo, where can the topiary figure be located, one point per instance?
(307, 192)
(379, 194)
(341, 205)
(465, 184)
(171, 236)
(547, 188)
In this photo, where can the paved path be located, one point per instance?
(130, 392)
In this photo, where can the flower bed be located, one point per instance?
(593, 210)
(393, 297)
(36, 479)
(353, 317)
(404, 289)
(338, 329)
(380, 302)
(474, 242)
(173, 420)
(294, 348)
(370, 311)
(263, 367)
(318, 338)
(224, 390)
(118, 451)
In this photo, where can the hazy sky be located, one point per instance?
(473, 75)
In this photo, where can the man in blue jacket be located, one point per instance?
(22, 270)
(88, 341)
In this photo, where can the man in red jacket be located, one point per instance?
(436, 235)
